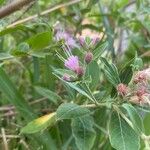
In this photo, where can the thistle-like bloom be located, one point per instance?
(142, 76)
(68, 39)
(122, 89)
(72, 63)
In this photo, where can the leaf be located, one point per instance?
(53, 97)
(99, 50)
(14, 29)
(83, 132)
(75, 86)
(93, 71)
(111, 72)
(14, 96)
(126, 75)
(135, 118)
(4, 56)
(122, 136)
(39, 41)
(40, 124)
(21, 50)
(70, 111)
(146, 123)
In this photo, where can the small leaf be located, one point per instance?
(122, 136)
(135, 118)
(100, 48)
(53, 97)
(21, 50)
(40, 124)
(4, 56)
(39, 41)
(111, 72)
(70, 110)
(93, 71)
(83, 132)
(126, 75)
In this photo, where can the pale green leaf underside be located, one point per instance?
(122, 136)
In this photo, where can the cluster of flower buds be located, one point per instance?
(87, 42)
(139, 91)
(67, 38)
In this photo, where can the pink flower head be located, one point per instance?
(72, 63)
(95, 40)
(122, 89)
(142, 76)
(68, 39)
(79, 71)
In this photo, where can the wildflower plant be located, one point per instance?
(84, 73)
(76, 79)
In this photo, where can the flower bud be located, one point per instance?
(79, 71)
(88, 57)
(66, 77)
(81, 41)
(122, 89)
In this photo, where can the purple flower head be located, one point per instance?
(72, 63)
(68, 39)
(95, 40)
(79, 71)
(81, 41)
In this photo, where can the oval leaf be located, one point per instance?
(122, 136)
(70, 110)
(135, 118)
(83, 132)
(40, 124)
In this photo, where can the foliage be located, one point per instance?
(76, 78)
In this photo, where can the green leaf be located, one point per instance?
(14, 96)
(134, 117)
(111, 72)
(122, 136)
(74, 86)
(83, 132)
(4, 56)
(14, 29)
(53, 97)
(39, 41)
(126, 75)
(70, 110)
(40, 124)
(1, 2)
(100, 48)
(93, 71)
(21, 50)
(146, 123)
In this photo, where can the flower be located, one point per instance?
(79, 71)
(122, 89)
(88, 57)
(88, 42)
(72, 63)
(142, 76)
(68, 39)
